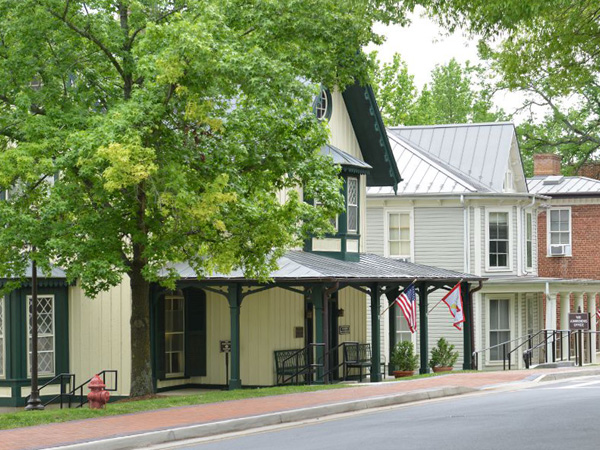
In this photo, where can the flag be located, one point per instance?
(454, 301)
(598, 314)
(408, 304)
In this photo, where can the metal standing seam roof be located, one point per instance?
(344, 159)
(478, 151)
(548, 185)
(305, 266)
(425, 174)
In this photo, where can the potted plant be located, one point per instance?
(443, 356)
(403, 359)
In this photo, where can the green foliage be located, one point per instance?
(443, 354)
(457, 94)
(549, 52)
(171, 127)
(403, 356)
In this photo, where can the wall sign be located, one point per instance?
(579, 321)
(344, 329)
(225, 346)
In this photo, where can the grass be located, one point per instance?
(30, 418)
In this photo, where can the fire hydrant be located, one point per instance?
(98, 398)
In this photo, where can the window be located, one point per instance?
(45, 324)
(352, 201)
(402, 331)
(322, 105)
(559, 232)
(498, 239)
(528, 240)
(1, 336)
(174, 336)
(499, 328)
(333, 220)
(399, 234)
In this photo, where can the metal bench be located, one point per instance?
(356, 356)
(290, 365)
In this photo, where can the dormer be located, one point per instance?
(359, 145)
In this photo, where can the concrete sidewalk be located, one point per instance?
(141, 430)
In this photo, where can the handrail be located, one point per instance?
(83, 398)
(550, 338)
(308, 367)
(70, 377)
(332, 351)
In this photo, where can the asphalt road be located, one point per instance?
(548, 416)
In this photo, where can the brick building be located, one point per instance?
(568, 231)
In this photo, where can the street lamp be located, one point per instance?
(34, 402)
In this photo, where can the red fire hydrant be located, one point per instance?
(98, 398)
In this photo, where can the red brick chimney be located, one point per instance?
(590, 169)
(546, 164)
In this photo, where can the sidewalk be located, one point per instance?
(154, 427)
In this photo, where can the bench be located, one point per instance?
(356, 356)
(290, 365)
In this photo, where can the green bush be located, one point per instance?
(403, 356)
(443, 355)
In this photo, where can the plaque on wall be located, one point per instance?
(299, 332)
(344, 329)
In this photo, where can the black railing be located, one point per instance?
(549, 340)
(302, 362)
(68, 396)
(83, 396)
(64, 379)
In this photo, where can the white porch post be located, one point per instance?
(565, 304)
(550, 318)
(592, 307)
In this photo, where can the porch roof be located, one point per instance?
(56, 278)
(538, 284)
(299, 266)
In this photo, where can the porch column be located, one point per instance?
(467, 327)
(375, 333)
(592, 308)
(391, 296)
(423, 331)
(564, 324)
(234, 297)
(318, 306)
(551, 300)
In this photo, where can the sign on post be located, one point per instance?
(225, 346)
(579, 321)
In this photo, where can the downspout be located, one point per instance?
(472, 324)
(465, 233)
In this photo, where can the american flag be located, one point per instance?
(408, 304)
(598, 314)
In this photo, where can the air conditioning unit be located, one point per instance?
(560, 250)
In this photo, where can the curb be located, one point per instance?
(564, 375)
(143, 440)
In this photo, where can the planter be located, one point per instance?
(403, 373)
(437, 369)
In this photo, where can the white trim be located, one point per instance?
(486, 252)
(548, 243)
(357, 205)
(28, 335)
(528, 268)
(386, 231)
(511, 302)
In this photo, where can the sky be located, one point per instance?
(423, 44)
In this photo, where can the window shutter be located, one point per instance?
(195, 344)
(159, 317)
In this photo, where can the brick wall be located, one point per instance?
(585, 240)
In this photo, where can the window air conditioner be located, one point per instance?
(559, 249)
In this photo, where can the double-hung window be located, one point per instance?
(559, 232)
(498, 245)
(352, 204)
(174, 336)
(528, 240)
(399, 234)
(45, 329)
(499, 328)
(1, 337)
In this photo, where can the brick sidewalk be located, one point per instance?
(107, 427)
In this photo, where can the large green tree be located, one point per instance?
(548, 51)
(139, 133)
(457, 94)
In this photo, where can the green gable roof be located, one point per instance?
(371, 135)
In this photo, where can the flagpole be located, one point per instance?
(392, 304)
(435, 306)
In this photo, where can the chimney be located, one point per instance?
(590, 169)
(545, 164)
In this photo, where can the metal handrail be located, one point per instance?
(549, 338)
(308, 367)
(83, 398)
(70, 377)
(474, 355)
(329, 353)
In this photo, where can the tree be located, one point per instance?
(548, 51)
(457, 94)
(144, 133)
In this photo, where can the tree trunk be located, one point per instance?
(141, 368)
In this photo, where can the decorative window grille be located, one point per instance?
(45, 323)
(399, 234)
(174, 336)
(352, 200)
(1, 336)
(499, 328)
(322, 105)
(498, 239)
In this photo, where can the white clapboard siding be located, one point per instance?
(375, 231)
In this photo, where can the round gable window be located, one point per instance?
(322, 105)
